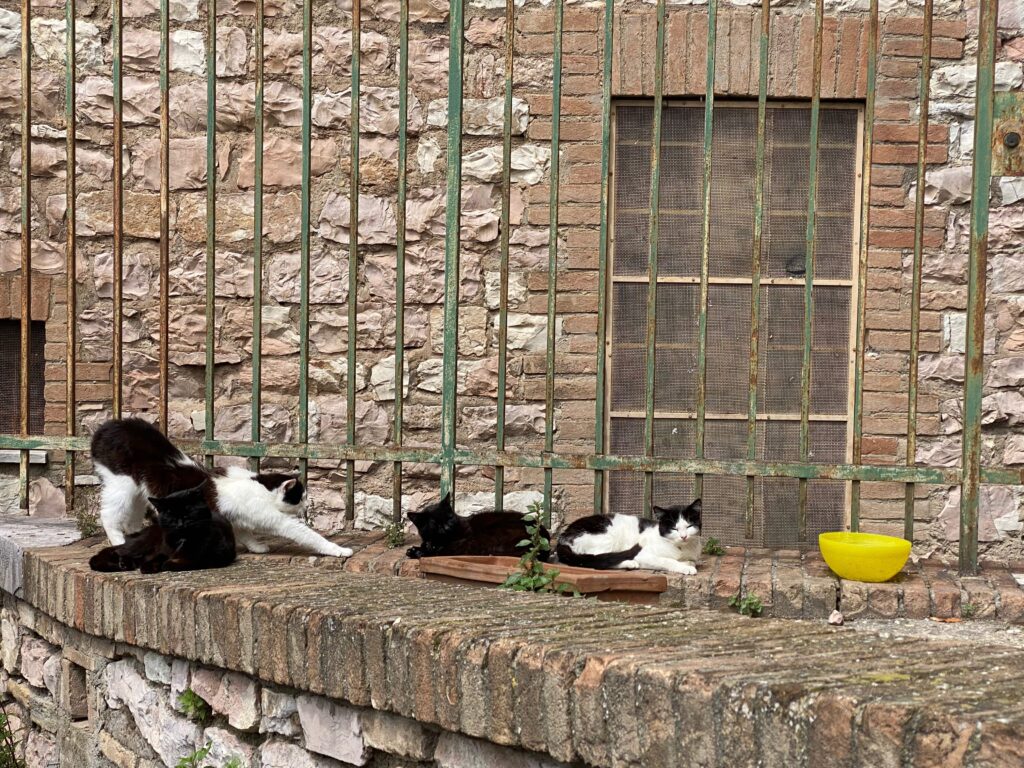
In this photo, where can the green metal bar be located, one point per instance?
(403, 148)
(307, 105)
(549, 379)
(862, 261)
(211, 212)
(165, 207)
(652, 255)
(452, 245)
(257, 242)
(118, 211)
(976, 273)
(353, 264)
(600, 434)
(24, 368)
(755, 261)
(809, 235)
(534, 460)
(506, 196)
(702, 319)
(71, 285)
(915, 299)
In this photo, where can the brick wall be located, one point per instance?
(890, 238)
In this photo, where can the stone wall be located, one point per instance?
(844, 77)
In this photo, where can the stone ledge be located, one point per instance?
(579, 680)
(19, 533)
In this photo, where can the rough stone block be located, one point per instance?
(332, 729)
(35, 654)
(279, 713)
(398, 735)
(455, 751)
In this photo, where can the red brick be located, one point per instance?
(942, 48)
(849, 41)
(902, 133)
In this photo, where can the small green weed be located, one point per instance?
(8, 750)
(968, 610)
(533, 575)
(750, 605)
(234, 762)
(394, 535)
(195, 708)
(87, 522)
(195, 759)
(713, 547)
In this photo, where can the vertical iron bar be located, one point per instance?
(600, 436)
(549, 379)
(702, 320)
(452, 245)
(403, 148)
(307, 98)
(506, 196)
(24, 369)
(353, 264)
(812, 190)
(976, 272)
(71, 286)
(211, 210)
(165, 203)
(257, 244)
(915, 299)
(862, 261)
(118, 212)
(755, 262)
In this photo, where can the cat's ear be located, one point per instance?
(694, 510)
(660, 512)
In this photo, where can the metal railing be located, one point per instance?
(969, 476)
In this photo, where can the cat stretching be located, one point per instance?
(187, 536)
(486, 533)
(669, 543)
(135, 461)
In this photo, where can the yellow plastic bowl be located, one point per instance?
(864, 556)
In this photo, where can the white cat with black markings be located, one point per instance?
(135, 461)
(671, 542)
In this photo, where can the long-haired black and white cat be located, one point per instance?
(136, 462)
(671, 542)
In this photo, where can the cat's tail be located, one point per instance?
(602, 562)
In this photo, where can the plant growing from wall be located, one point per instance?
(394, 535)
(194, 707)
(8, 749)
(533, 575)
(750, 605)
(713, 547)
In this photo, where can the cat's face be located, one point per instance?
(679, 524)
(435, 521)
(289, 492)
(183, 507)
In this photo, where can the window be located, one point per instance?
(780, 354)
(10, 376)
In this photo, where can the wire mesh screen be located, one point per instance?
(781, 309)
(10, 376)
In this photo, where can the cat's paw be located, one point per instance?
(414, 552)
(687, 569)
(629, 565)
(336, 551)
(257, 547)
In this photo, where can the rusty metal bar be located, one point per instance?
(915, 298)
(24, 369)
(755, 261)
(118, 212)
(862, 261)
(403, 150)
(211, 215)
(71, 285)
(970, 490)
(257, 242)
(600, 434)
(702, 319)
(652, 255)
(809, 243)
(452, 245)
(165, 205)
(506, 195)
(307, 106)
(353, 265)
(552, 292)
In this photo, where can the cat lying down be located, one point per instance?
(671, 542)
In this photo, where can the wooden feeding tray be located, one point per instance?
(627, 586)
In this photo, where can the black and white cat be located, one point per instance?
(669, 543)
(187, 536)
(136, 462)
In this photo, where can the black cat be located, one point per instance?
(486, 533)
(187, 536)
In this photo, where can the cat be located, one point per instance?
(135, 461)
(669, 543)
(187, 536)
(443, 532)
